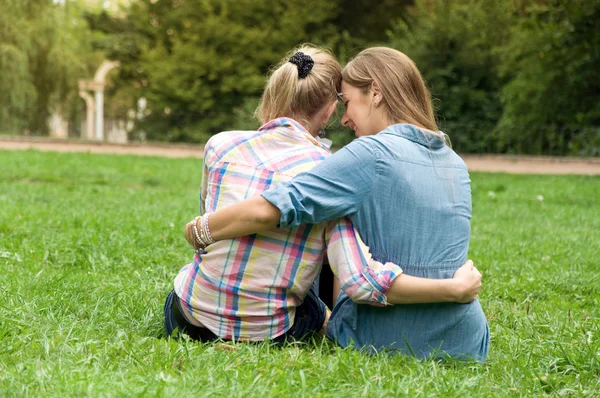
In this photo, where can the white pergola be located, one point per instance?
(94, 123)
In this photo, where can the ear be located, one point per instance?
(330, 109)
(375, 93)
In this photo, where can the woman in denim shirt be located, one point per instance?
(407, 193)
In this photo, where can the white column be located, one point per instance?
(99, 82)
(99, 94)
(87, 133)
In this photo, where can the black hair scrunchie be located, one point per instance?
(303, 62)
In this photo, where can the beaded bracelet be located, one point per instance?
(203, 238)
(207, 237)
(195, 231)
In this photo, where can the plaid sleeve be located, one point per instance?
(363, 279)
(209, 153)
(203, 187)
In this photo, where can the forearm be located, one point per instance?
(363, 279)
(243, 218)
(407, 289)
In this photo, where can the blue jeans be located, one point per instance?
(310, 316)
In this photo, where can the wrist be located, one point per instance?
(455, 290)
(201, 232)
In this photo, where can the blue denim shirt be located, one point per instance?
(409, 196)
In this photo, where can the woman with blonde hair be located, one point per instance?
(406, 192)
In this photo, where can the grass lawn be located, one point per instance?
(90, 244)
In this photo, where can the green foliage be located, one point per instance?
(16, 85)
(363, 23)
(506, 76)
(454, 46)
(510, 76)
(201, 63)
(90, 245)
(551, 63)
(41, 56)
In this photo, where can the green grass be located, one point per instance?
(90, 244)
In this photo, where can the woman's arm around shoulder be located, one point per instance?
(333, 189)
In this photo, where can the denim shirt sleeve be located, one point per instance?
(333, 189)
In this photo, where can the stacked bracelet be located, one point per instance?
(203, 237)
(195, 230)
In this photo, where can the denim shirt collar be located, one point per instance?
(415, 134)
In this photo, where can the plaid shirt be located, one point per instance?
(248, 288)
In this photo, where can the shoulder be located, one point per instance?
(369, 151)
(226, 142)
(230, 138)
(454, 160)
(364, 146)
(362, 154)
(457, 161)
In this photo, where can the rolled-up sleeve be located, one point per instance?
(333, 189)
(363, 279)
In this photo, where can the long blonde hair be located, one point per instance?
(405, 97)
(288, 95)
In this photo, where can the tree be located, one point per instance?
(363, 23)
(552, 63)
(454, 45)
(17, 90)
(41, 55)
(201, 63)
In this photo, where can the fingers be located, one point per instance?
(323, 331)
(189, 235)
(469, 263)
(471, 278)
(186, 232)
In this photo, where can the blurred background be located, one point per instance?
(507, 77)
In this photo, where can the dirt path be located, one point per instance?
(485, 163)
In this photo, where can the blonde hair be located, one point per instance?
(287, 95)
(405, 97)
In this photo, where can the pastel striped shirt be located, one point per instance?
(248, 288)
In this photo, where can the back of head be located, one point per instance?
(404, 95)
(287, 94)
